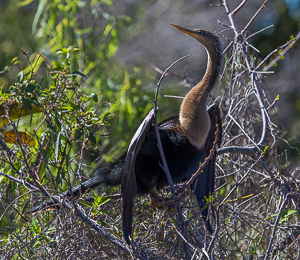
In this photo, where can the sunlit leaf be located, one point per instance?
(57, 145)
(25, 2)
(35, 226)
(72, 49)
(108, 2)
(57, 65)
(20, 77)
(69, 108)
(34, 65)
(95, 194)
(11, 137)
(16, 111)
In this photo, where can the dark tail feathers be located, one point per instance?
(110, 176)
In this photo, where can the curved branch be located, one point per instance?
(166, 169)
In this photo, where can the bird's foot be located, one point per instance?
(167, 204)
(160, 204)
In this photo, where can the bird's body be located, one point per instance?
(187, 139)
(182, 158)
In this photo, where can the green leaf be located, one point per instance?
(104, 212)
(222, 191)
(57, 65)
(57, 123)
(252, 250)
(108, 2)
(57, 145)
(35, 226)
(95, 194)
(49, 125)
(97, 201)
(291, 212)
(25, 2)
(17, 165)
(29, 87)
(52, 229)
(92, 138)
(76, 72)
(69, 108)
(94, 97)
(85, 203)
(20, 77)
(100, 200)
(74, 106)
(15, 60)
(71, 49)
(265, 150)
(102, 222)
(27, 103)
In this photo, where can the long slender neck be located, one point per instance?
(193, 116)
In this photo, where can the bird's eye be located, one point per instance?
(199, 32)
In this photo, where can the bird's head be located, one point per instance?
(206, 38)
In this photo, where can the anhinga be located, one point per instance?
(187, 139)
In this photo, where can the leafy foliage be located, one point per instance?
(53, 119)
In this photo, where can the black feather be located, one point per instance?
(129, 187)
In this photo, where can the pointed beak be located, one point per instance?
(184, 30)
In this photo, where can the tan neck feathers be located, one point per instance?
(193, 116)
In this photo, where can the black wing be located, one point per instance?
(129, 187)
(203, 185)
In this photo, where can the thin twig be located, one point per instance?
(206, 160)
(258, 93)
(239, 7)
(45, 161)
(164, 162)
(286, 47)
(275, 226)
(254, 16)
(240, 181)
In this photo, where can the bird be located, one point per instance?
(187, 139)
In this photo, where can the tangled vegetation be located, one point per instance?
(53, 133)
